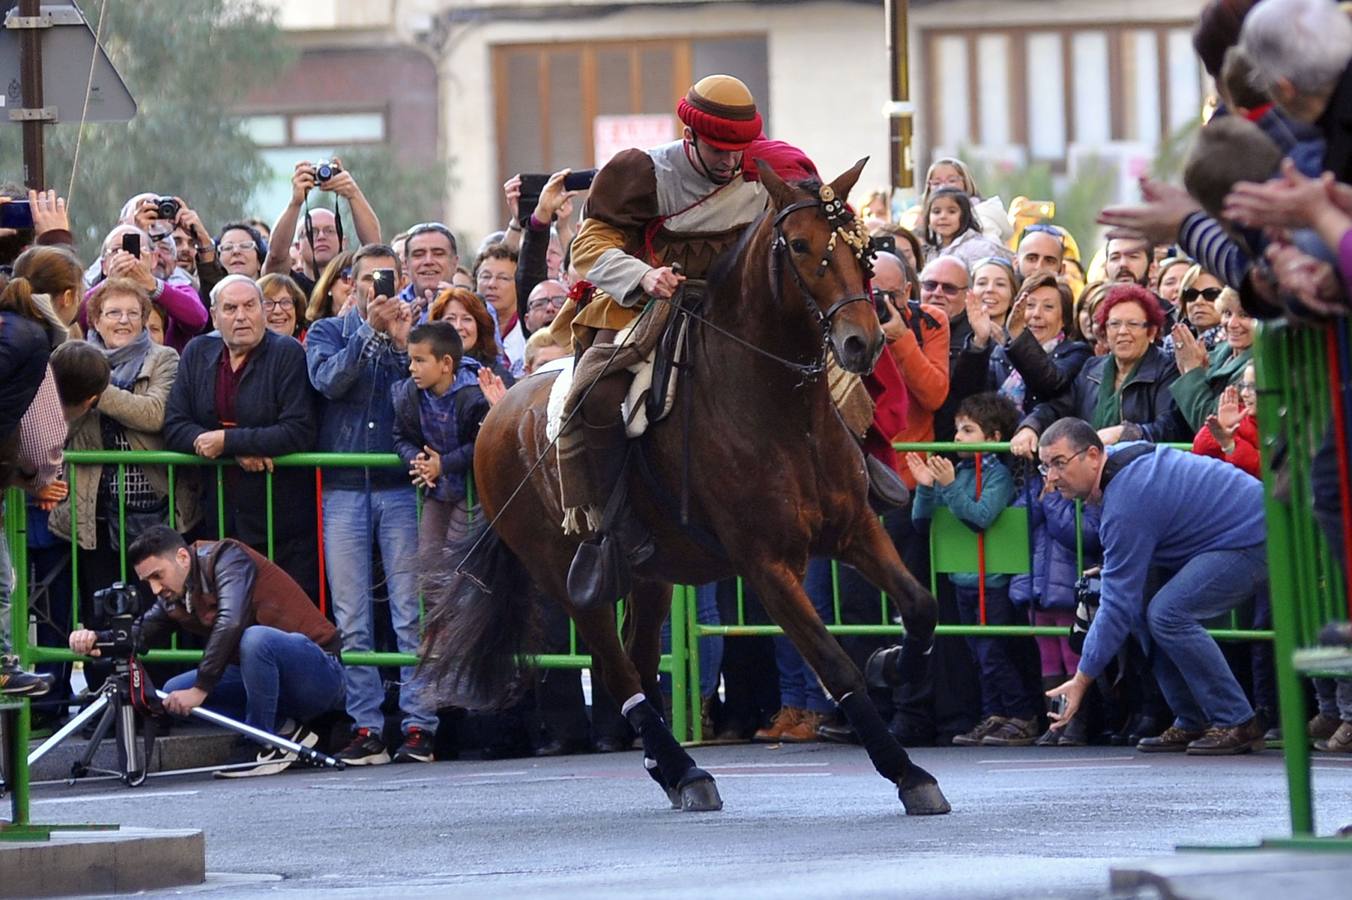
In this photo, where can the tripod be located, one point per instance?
(113, 702)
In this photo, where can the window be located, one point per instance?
(285, 138)
(549, 97)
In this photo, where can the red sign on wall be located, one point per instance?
(611, 134)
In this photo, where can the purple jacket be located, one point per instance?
(1051, 537)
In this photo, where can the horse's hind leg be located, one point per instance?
(872, 552)
(784, 598)
(688, 787)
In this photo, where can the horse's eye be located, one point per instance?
(799, 246)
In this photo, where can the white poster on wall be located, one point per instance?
(611, 134)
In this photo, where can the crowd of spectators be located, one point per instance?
(323, 333)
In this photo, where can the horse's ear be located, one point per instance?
(845, 183)
(780, 192)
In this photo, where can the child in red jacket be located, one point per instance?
(1231, 433)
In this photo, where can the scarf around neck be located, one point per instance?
(1108, 409)
(126, 362)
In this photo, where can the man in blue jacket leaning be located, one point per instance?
(1201, 520)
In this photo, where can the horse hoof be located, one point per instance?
(924, 800)
(699, 793)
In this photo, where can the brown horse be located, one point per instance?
(774, 475)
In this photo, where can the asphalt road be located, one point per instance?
(798, 821)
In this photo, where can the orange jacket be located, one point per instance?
(924, 369)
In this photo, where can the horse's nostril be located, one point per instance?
(854, 346)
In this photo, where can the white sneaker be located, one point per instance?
(271, 760)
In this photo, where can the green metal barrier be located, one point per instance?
(674, 663)
(1298, 369)
(953, 547)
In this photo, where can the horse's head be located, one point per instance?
(826, 251)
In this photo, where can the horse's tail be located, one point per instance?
(481, 623)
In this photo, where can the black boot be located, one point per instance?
(602, 567)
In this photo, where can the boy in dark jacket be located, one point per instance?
(1009, 710)
(437, 413)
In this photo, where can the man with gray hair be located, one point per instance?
(1200, 520)
(244, 392)
(944, 283)
(1301, 50)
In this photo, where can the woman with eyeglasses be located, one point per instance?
(129, 415)
(1198, 291)
(1125, 393)
(333, 291)
(1204, 376)
(283, 305)
(241, 250)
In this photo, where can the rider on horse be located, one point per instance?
(655, 218)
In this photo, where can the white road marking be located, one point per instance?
(773, 765)
(1078, 768)
(1050, 762)
(776, 775)
(99, 798)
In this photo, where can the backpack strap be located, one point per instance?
(1121, 459)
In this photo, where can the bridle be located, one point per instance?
(844, 226)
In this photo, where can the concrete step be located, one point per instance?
(187, 747)
(102, 862)
(1236, 875)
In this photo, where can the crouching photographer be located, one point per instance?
(271, 658)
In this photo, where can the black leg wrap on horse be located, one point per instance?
(658, 742)
(687, 786)
(886, 753)
(918, 791)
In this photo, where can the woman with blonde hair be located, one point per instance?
(333, 291)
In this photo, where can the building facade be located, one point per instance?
(494, 87)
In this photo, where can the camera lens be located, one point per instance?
(324, 171)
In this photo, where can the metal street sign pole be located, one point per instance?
(30, 63)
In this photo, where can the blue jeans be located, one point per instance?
(353, 521)
(1003, 689)
(710, 647)
(799, 686)
(1189, 666)
(280, 676)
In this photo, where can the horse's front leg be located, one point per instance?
(689, 787)
(782, 594)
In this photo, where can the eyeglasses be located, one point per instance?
(1059, 464)
(879, 294)
(238, 245)
(116, 315)
(1209, 294)
(546, 302)
(1121, 325)
(1247, 385)
(1039, 228)
(278, 303)
(500, 278)
(324, 231)
(942, 287)
(345, 274)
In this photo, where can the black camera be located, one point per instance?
(1088, 593)
(115, 611)
(326, 169)
(167, 208)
